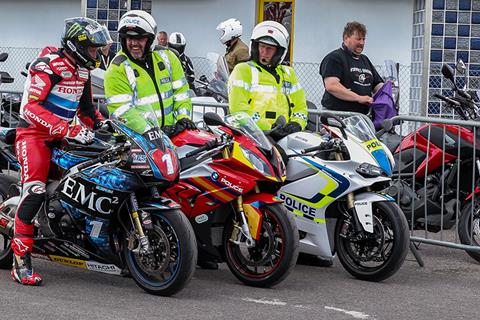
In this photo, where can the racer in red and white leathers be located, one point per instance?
(58, 88)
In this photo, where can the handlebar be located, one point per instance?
(334, 144)
(209, 145)
(105, 156)
(464, 94)
(447, 99)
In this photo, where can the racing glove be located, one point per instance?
(169, 130)
(184, 124)
(283, 131)
(104, 125)
(80, 134)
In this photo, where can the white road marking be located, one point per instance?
(354, 314)
(274, 302)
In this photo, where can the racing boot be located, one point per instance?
(22, 244)
(22, 271)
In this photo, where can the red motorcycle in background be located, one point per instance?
(227, 190)
(436, 168)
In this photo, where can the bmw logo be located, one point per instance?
(215, 176)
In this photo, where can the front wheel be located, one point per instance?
(465, 228)
(374, 256)
(273, 256)
(170, 265)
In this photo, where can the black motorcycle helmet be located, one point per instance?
(80, 34)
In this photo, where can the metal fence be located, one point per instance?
(308, 75)
(438, 171)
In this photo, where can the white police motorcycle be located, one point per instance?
(333, 188)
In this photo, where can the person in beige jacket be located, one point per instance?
(237, 50)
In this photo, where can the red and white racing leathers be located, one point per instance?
(55, 91)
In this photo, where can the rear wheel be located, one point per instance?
(6, 253)
(274, 255)
(170, 265)
(465, 228)
(374, 256)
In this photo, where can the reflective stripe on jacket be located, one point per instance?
(128, 82)
(254, 90)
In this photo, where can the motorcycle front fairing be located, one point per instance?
(154, 154)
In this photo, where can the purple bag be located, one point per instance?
(383, 106)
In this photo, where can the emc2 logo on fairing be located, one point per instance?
(76, 191)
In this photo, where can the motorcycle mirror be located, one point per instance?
(387, 125)
(213, 119)
(203, 78)
(3, 56)
(332, 120)
(280, 121)
(447, 72)
(5, 77)
(461, 67)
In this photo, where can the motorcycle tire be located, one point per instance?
(465, 226)
(175, 255)
(6, 253)
(359, 253)
(274, 255)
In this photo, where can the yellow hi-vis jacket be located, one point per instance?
(254, 90)
(126, 82)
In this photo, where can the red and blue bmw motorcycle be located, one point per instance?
(227, 189)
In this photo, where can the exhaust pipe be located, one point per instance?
(6, 224)
(7, 219)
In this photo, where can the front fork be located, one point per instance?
(242, 228)
(143, 243)
(350, 202)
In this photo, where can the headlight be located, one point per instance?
(368, 170)
(257, 162)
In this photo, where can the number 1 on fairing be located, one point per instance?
(168, 162)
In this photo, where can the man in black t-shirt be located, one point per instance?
(348, 76)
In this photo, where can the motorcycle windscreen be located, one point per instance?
(360, 128)
(141, 124)
(243, 122)
(218, 70)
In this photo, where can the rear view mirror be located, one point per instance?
(461, 67)
(5, 77)
(280, 121)
(447, 72)
(3, 56)
(213, 119)
(331, 120)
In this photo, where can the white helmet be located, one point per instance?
(177, 41)
(137, 23)
(272, 33)
(231, 29)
